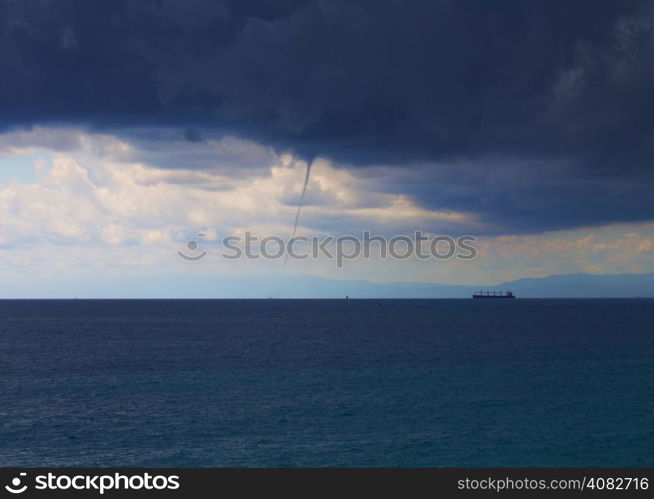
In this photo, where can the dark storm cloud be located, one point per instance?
(365, 82)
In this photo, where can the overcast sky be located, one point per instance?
(127, 128)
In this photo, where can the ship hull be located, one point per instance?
(491, 297)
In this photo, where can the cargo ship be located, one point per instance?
(494, 294)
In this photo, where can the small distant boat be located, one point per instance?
(494, 294)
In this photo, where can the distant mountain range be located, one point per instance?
(585, 286)
(556, 286)
(208, 286)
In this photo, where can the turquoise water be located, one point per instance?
(327, 383)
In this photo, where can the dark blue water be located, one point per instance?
(327, 383)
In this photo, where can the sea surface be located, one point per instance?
(197, 383)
